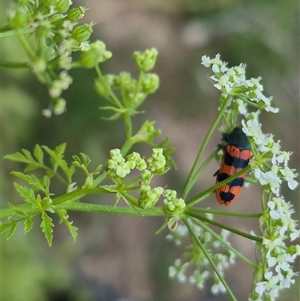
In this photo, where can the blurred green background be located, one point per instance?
(120, 258)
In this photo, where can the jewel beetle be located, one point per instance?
(236, 156)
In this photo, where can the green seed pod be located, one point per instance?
(89, 59)
(82, 32)
(76, 13)
(48, 3)
(57, 19)
(62, 5)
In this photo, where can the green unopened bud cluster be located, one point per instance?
(132, 91)
(172, 204)
(118, 167)
(148, 196)
(145, 61)
(157, 162)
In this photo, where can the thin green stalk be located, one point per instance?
(128, 125)
(13, 65)
(222, 226)
(115, 101)
(226, 244)
(205, 164)
(25, 44)
(191, 178)
(127, 146)
(7, 32)
(201, 196)
(200, 245)
(99, 179)
(224, 213)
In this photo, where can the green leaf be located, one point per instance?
(26, 193)
(12, 229)
(63, 215)
(47, 227)
(56, 158)
(17, 211)
(5, 226)
(28, 224)
(22, 176)
(38, 153)
(38, 184)
(27, 158)
(19, 157)
(85, 159)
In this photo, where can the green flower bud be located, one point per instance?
(39, 65)
(136, 159)
(18, 17)
(89, 59)
(173, 206)
(147, 132)
(57, 19)
(76, 13)
(157, 162)
(149, 197)
(62, 5)
(103, 89)
(146, 175)
(82, 32)
(96, 54)
(145, 61)
(48, 3)
(88, 181)
(150, 83)
(59, 106)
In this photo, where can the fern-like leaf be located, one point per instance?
(47, 227)
(63, 215)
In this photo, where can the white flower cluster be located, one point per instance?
(233, 81)
(270, 168)
(277, 270)
(118, 168)
(195, 268)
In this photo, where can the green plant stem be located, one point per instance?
(116, 210)
(128, 125)
(222, 226)
(7, 32)
(192, 178)
(71, 196)
(69, 201)
(201, 196)
(13, 65)
(127, 146)
(199, 244)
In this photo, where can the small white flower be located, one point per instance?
(289, 175)
(205, 61)
(242, 107)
